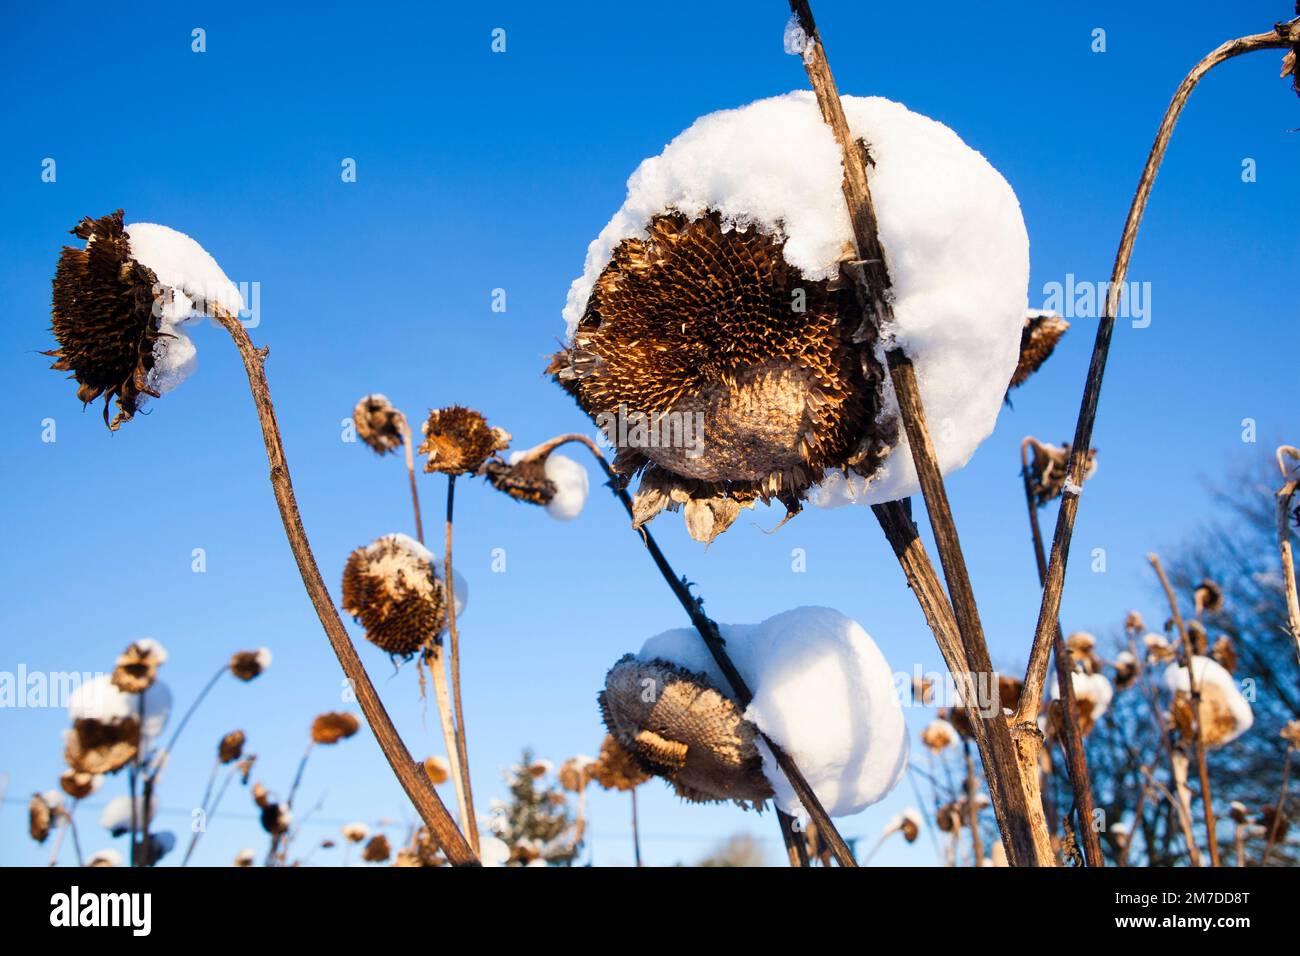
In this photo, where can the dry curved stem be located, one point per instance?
(1283, 35)
(462, 747)
(1285, 494)
(1076, 759)
(1194, 687)
(713, 640)
(410, 775)
(441, 696)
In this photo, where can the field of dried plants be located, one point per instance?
(816, 300)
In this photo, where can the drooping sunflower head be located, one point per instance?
(231, 747)
(333, 726)
(686, 731)
(615, 768)
(720, 373)
(137, 666)
(393, 590)
(103, 317)
(458, 440)
(1042, 331)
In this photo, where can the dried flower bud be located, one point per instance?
(939, 735)
(689, 732)
(1048, 469)
(276, 818)
(1291, 732)
(40, 817)
(1238, 812)
(575, 773)
(1037, 341)
(245, 858)
(247, 665)
(137, 666)
(379, 424)
(1008, 699)
(355, 832)
(458, 441)
(1126, 670)
(231, 747)
(438, 769)
(1133, 623)
(1208, 597)
(1197, 637)
(377, 850)
(331, 727)
(1225, 652)
(79, 785)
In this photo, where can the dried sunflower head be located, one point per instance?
(379, 424)
(246, 665)
(710, 384)
(137, 666)
(575, 773)
(438, 769)
(1037, 341)
(355, 832)
(1083, 649)
(41, 815)
(1126, 669)
(458, 440)
(1047, 469)
(685, 731)
(1198, 637)
(1225, 652)
(97, 746)
(1290, 732)
(79, 785)
(1133, 623)
(377, 850)
(554, 481)
(939, 735)
(245, 858)
(393, 589)
(231, 747)
(105, 858)
(615, 769)
(331, 727)
(1009, 689)
(119, 307)
(1208, 597)
(276, 817)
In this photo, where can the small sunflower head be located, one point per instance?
(1225, 653)
(938, 735)
(379, 424)
(42, 813)
(1290, 732)
(355, 832)
(1037, 341)
(247, 665)
(276, 817)
(377, 850)
(615, 769)
(688, 732)
(392, 588)
(575, 773)
(137, 666)
(231, 747)
(79, 785)
(458, 441)
(333, 726)
(1126, 670)
(105, 858)
(1083, 649)
(438, 770)
(1134, 624)
(1208, 597)
(1009, 689)
(1047, 469)
(554, 481)
(245, 858)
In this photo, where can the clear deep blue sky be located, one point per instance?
(479, 171)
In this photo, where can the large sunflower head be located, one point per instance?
(678, 726)
(723, 375)
(458, 440)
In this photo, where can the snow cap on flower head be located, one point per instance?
(379, 424)
(393, 588)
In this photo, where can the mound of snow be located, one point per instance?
(822, 691)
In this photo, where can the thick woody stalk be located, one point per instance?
(1018, 810)
(409, 774)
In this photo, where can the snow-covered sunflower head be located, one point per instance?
(554, 481)
(715, 338)
(1224, 713)
(678, 726)
(120, 307)
(393, 589)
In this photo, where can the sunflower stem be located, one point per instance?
(1283, 35)
(415, 782)
(1076, 759)
(462, 747)
(1291, 480)
(410, 474)
(1194, 692)
(1278, 810)
(161, 758)
(438, 671)
(712, 637)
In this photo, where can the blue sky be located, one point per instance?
(478, 171)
